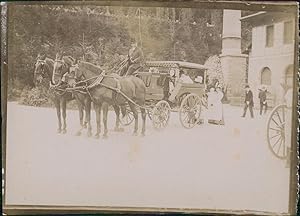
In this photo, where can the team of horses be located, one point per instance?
(69, 79)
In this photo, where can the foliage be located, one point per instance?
(34, 97)
(101, 35)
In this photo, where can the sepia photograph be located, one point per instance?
(149, 107)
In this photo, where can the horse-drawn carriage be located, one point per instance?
(159, 77)
(279, 126)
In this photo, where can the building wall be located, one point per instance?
(277, 58)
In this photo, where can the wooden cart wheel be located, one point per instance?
(276, 132)
(128, 118)
(190, 111)
(161, 115)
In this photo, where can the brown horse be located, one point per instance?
(60, 70)
(81, 95)
(43, 74)
(105, 89)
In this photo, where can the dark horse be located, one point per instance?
(43, 74)
(82, 97)
(105, 89)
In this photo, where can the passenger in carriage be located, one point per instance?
(199, 79)
(183, 78)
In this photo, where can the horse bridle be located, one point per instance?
(42, 72)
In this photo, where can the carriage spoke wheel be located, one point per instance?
(276, 132)
(128, 118)
(160, 115)
(190, 111)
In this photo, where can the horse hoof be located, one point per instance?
(64, 131)
(105, 136)
(119, 129)
(97, 136)
(143, 134)
(85, 126)
(134, 134)
(58, 130)
(89, 134)
(78, 133)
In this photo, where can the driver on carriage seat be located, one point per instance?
(183, 78)
(135, 59)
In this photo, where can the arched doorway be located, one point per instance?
(289, 76)
(266, 76)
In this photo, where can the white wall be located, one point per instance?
(276, 58)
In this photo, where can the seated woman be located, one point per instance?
(183, 78)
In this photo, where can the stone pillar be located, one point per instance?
(233, 62)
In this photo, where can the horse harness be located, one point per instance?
(98, 81)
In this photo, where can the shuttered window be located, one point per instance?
(269, 36)
(288, 32)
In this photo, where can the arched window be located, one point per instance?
(266, 76)
(289, 76)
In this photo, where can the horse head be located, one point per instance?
(42, 69)
(61, 68)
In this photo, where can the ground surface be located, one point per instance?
(207, 167)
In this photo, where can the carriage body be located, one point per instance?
(158, 76)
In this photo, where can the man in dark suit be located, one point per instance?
(263, 100)
(135, 59)
(248, 102)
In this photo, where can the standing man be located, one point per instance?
(262, 95)
(135, 59)
(248, 102)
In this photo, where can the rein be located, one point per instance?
(97, 82)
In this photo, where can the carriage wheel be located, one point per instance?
(128, 118)
(276, 132)
(190, 110)
(160, 115)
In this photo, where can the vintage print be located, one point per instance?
(150, 108)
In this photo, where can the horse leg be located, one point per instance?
(57, 106)
(136, 118)
(88, 115)
(105, 115)
(143, 111)
(80, 108)
(64, 114)
(97, 108)
(117, 111)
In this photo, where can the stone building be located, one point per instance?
(233, 62)
(271, 58)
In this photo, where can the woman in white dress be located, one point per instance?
(219, 117)
(211, 97)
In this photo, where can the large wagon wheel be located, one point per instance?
(190, 111)
(128, 118)
(160, 115)
(276, 132)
